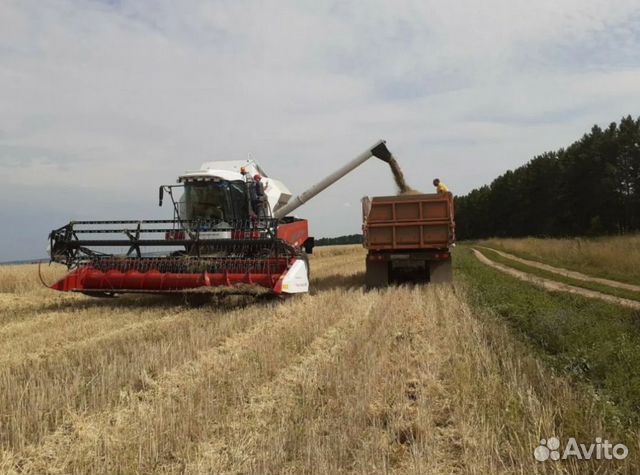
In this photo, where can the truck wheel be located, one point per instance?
(377, 274)
(440, 272)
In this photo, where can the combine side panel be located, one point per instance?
(295, 280)
(295, 233)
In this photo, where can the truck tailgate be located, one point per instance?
(416, 221)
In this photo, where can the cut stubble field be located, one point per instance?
(343, 380)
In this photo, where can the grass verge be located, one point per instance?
(616, 258)
(595, 342)
(605, 289)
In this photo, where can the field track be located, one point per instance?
(566, 272)
(555, 286)
(402, 380)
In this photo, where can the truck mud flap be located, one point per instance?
(440, 272)
(377, 274)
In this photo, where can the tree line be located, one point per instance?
(591, 188)
(348, 239)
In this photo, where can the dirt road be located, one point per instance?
(553, 285)
(566, 272)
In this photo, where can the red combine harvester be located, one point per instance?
(231, 226)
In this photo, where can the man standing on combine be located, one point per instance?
(257, 195)
(441, 188)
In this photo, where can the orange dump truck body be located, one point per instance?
(409, 238)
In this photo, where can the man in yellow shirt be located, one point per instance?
(441, 188)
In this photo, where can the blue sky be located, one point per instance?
(102, 101)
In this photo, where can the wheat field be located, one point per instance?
(342, 380)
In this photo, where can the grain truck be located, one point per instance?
(409, 238)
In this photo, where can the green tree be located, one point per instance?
(591, 187)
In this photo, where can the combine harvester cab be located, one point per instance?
(231, 230)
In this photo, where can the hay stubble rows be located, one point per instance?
(402, 380)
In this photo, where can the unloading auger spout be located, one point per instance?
(379, 150)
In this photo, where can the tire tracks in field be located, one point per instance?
(21, 308)
(101, 368)
(380, 371)
(114, 335)
(17, 308)
(409, 427)
(238, 442)
(85, 361)
(566, 272)
(56, 330)
(104, 441)
(555, 286)
(48, 378)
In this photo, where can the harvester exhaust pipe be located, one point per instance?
(379, 150)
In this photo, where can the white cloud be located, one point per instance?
(120, 96)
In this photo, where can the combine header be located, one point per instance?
(230, 228)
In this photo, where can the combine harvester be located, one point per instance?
(221, 236)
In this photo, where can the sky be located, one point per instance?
(103, 101)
